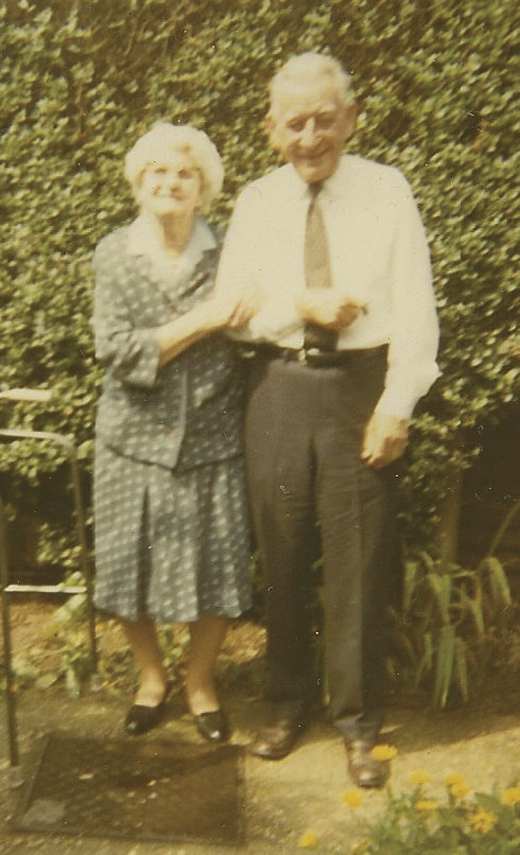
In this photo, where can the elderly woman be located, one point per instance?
(171, 529)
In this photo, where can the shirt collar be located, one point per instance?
(143, 240)
(331, 188)
(335, 185)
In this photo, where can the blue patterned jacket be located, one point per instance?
(188, 412)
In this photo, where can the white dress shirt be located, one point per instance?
(378, 255)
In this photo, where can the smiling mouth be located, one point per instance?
(311, 158)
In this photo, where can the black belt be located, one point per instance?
(313, 357)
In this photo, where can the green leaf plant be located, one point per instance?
(450, 623)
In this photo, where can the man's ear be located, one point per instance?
(351, 114)
(270, 126)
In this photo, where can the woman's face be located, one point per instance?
(171, 186)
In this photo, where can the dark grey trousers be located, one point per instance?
(304, 428)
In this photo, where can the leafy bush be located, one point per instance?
(80, 81)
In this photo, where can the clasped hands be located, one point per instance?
(328, 308)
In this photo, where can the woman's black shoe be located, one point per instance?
(139, 719)
(212, 726)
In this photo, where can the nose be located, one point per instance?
(173, 180)
(308, 134)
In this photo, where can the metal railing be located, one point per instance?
(9, 588)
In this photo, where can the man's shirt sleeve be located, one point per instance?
(243, 266)
(414, 332)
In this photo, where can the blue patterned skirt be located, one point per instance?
(171, 545)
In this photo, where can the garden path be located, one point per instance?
(284, 799)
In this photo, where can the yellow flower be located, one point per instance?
(459, 790)
(309, 840)
(482, 820)
(511, 796)
(352, 798)
(426, 805)
(454, 778)
(420, 778)
(384, 752)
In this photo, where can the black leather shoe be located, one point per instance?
(139, 719)
(277, 738)
(363, 767)
(212, 725)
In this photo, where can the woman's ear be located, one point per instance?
(136, 187)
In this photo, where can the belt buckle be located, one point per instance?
(311, 354)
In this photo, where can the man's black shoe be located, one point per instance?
(363, 767)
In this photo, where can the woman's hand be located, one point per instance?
(231, 311)
(220, 311)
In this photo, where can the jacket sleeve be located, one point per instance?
(129, 352)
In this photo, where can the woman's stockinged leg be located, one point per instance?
(142, 637)
(207, 635)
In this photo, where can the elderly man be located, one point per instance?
(344, 343)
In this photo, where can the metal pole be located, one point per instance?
(12, 434)
(86, 565)
(16, 776)
(6, 589)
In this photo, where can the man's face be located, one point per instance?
(309, 127)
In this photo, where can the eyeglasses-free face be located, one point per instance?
(171, 185)
(309, 127)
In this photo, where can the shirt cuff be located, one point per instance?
(400, 398)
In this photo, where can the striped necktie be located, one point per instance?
(317, 270)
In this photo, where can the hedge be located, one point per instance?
(81, 80)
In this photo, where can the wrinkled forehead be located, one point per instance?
(312, 96)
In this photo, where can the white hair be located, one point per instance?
(308, 67)
(157, 145)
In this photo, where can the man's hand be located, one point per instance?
(330, 309)
(384, 440)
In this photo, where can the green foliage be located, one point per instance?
(450, 819)
(63, 653)
(68, 631)
(449, 624)
(80, 81)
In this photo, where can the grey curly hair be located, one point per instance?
(307, 67)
